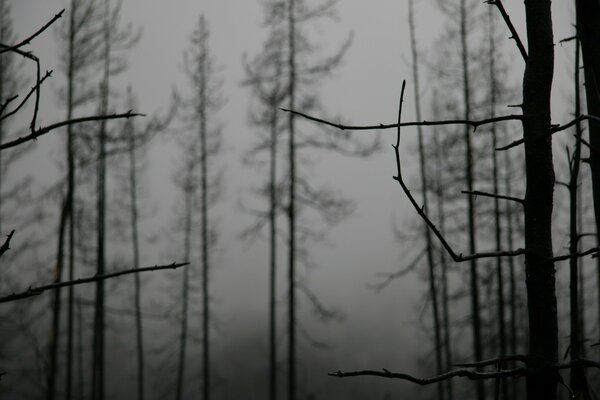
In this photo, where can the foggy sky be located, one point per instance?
(379, 329)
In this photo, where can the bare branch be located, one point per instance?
(495, 196)
(474, 123)
(391, 276)
(420, 210)
(511, 27)
(40, 289)
(6, 245)
(22, 103)
(42, 131)
(462, 373)
(593, 251)
(553, 130)
(28, 40)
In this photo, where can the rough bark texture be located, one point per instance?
(540, 273)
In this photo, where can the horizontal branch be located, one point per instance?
(42, 131)
(35, 291)
(593, 251)
(496, 196)
(28, 40)
(474, 123)
(460, 373)
(6, 245)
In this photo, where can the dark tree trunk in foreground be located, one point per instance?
(540, 273)
(588, 32)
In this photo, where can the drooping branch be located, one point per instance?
(494, 361)
(35, 291)
(420, 210)
(42, 131)
(511, 27)
(474, 123)
(6, 245)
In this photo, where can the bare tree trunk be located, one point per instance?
(184, 289)
(541, 282)
(444, 268)
(70, 198)
(475, 307)
(578, 380)
(98, 385)
(433, 294)
(56, 306)
(292, 206)
(501, 332)
(273, 256)
(588, 15)
(136, 259)
(205, 230)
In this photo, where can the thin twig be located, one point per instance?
(474, 123)
(495, 196)
(6, 245)
(511, 27)
(40, 289)
(34, 35)
(22, 103)
(420, 210)
(391, 276)
(42, 131)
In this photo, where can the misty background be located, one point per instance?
(379, 329)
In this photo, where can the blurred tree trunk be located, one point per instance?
(433, 292)
(98, 382)
(474, 279)
(292, 204)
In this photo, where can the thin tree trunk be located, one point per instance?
(577, 372)
(184, 290)
(70, 197)
(588, 15)
(475, 307)
(136, 260)
(56, 305)
(444, 268)
(292, 206)
(428, 242)
(273, 256)
(541, 282)
(205, 230)
(98, 385)
(501, 332)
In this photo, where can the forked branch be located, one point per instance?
(420, 210)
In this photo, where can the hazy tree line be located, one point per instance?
(485, 241)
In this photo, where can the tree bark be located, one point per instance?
(540, 273)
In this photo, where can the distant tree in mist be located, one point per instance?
(199, 177)
(287, 73)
